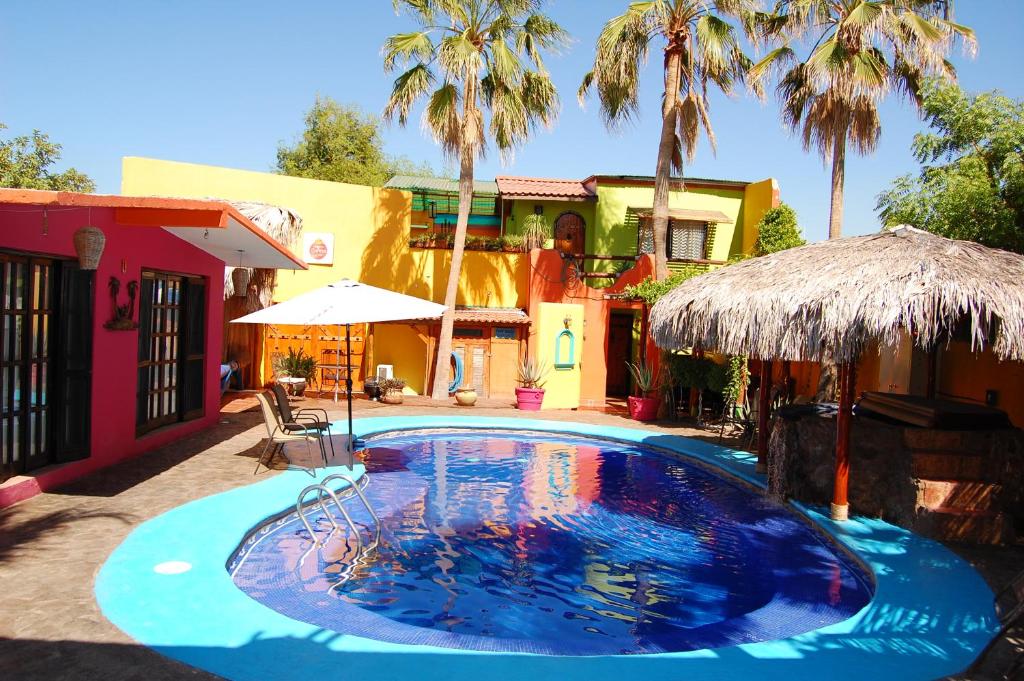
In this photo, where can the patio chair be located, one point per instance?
(279, 433)
(741, 417)
(307, 418)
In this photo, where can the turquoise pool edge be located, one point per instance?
(931, 615)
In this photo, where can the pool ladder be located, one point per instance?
(323, 492)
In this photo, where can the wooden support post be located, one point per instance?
(643, 332)
(932, 360)
(847, 388)
(764, 404)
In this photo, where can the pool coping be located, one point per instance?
(931, 614)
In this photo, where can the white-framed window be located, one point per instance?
(687, 239)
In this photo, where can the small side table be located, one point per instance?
(295, 386)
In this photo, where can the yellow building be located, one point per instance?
(396, 238)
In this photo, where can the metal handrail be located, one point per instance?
(320, 489)
(362, 497)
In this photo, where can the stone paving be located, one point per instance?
(52, 546)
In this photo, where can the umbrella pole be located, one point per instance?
(348, 388)
(337, 367)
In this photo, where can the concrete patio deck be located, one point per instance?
(52, 546)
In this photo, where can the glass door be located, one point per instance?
(26, 329)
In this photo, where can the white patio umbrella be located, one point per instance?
(345, 303)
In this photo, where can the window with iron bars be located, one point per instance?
(687, 239)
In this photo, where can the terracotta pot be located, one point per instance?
(643, 408)
(466, 397)
(392, 397)
(529, 399)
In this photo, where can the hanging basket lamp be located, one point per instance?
(240, 281)
(89, 243)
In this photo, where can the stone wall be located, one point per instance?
(951, 485)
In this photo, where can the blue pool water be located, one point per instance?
(555, 544)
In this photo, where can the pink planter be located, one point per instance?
(643, 408)
(529, 399)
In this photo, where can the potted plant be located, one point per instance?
(536, 231)
(511, 243)
(642, 407)
(530, 394)
(391, 391)
(295, 370)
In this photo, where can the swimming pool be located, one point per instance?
(557, 545)
(166, 586)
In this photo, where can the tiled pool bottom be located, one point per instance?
(931, 613)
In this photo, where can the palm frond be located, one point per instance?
(406, 47)
(407, 90)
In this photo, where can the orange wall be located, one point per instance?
(966, 375)
(546, 285)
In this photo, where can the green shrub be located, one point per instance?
(777, 231)
(650, 290)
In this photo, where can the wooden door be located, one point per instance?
(570, 233)
(473, 353)
(894, 366)
(620, 351)
(27, 326)
(504, 367)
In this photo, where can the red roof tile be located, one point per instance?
(541, 188)
(502, 316)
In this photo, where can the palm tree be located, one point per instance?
(487, 54)
(860, 51)
(700, 48)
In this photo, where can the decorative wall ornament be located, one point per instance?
(565, 360)
(122, 316)
(89, 243)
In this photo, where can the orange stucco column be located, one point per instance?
(847, 382)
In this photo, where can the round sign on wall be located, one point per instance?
(318, 248)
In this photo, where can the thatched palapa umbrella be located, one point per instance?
(827, 301)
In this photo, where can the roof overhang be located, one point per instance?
(212, 226)
(715, 216)
(238, 241)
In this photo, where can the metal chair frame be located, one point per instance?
(278, 434)
(305, 416)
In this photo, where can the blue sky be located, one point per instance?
(225, 82)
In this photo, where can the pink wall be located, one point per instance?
(115, 352)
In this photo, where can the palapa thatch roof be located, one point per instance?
(284, 225)
(827, 301)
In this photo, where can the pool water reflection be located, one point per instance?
(558, 545)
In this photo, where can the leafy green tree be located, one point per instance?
(777, 231)
(26, 160)
(862, 50)
(488, 56)
(340, 143)
(700, 48)
(971, 184)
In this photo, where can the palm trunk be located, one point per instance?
(835, 219)
(827, 379)
(444, 341)
(663, 174)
